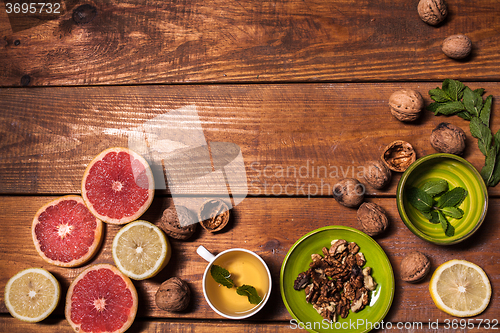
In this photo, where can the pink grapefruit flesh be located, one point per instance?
(118, 186)
(101, 299)
(65, 232)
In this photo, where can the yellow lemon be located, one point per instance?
(32, 294)
(460, 288)
(140, 250)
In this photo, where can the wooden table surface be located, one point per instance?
(295, 84)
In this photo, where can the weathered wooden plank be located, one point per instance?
(268, 226)
(137, 42)
(195, 326)
(295, 139)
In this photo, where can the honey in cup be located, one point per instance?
(244, 269)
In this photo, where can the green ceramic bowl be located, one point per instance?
(297, 260)
(457, 172)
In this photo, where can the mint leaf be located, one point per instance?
(434, 217)
(443, 221)
(250, 292)
(489, 165)
(221, 276)
(453, 88)
(473, 102)
(440, 96)
(420, 199)
(450, 108)
(452, 198)
(435, 187)
(454, 212)
(464, 115)
(450, 230)
(486, 111)
(480, 131)
(479, 91)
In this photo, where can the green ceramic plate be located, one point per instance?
(457, 172)
(297, 260)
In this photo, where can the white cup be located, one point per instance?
(205, 254)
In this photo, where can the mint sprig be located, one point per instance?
(436, 202)
(223, 277)
(455, 98)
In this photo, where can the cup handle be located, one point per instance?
(205, 254)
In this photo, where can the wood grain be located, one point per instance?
(295, 139)
(195, 326)
(268, 226)
(153, 41)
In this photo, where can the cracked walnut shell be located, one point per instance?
(432, 12)
(214, 215)
(406, 104)
(414, 267)
(399, 155)
(178, 222)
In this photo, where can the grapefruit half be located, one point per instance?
(101, 299)
(65, 232)
(118, 186)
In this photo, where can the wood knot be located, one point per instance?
(84, 14)
(25, 80)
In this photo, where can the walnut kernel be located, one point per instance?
(372, 218)
(406, 104)
(448, 138)
(214, 215)
(457, 46)
(173, 295)
(178, 222)
(432, 12)
(377, 174)
(349, 192)
(414, 267)
(399, 155)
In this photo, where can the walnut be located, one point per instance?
(178, 222)
(377, 174)
(414, 267)
(349, 192)
(457, 46)
(432, 12)
(372, 218)
(448, 138)
(399, 155)
(406, 104)
(214, 215)
(173, 295)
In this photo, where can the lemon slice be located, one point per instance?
(32, 294)
(140, 250)
(460, 288)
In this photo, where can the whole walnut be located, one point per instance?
(178, 222)
(406, 104)
(377, 174)
(457, 46)
(372, 218)
(432, 12)
(448, 138)
(173, 295)
(349, 192)
(414, 267)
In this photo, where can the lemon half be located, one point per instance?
(140, 250)
(32, 294)
(460, 288)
